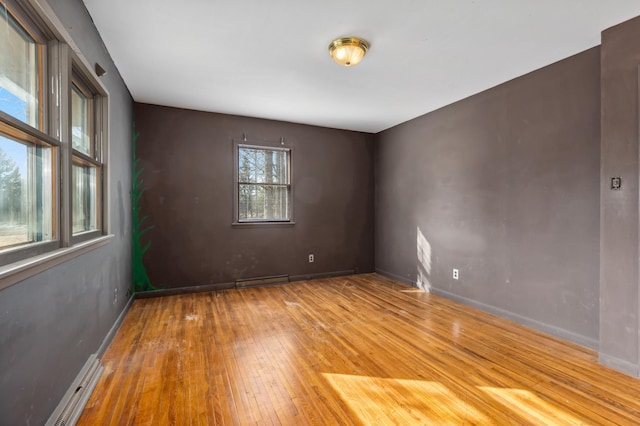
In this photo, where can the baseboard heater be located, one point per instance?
(70, 407)
(262, 281)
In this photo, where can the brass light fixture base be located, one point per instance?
(348, 51)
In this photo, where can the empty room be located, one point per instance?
(290, 213)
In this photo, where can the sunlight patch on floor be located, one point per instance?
(376, 400)
(531, 407)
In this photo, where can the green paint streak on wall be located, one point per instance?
(141, 280)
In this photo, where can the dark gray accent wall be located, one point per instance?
(50, 324)
(187, 157)
(619, 305)
(503, 186)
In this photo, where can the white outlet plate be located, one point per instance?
(311, 258)
(456, 274)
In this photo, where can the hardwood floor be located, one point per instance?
(352, 350)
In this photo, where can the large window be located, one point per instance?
(52, 117)
(87, 157)
(263, 184)
(28, 157)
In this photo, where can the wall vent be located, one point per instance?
(262, 281)
(73, 402)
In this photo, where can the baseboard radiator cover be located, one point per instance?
(262, 281)
(70, 407)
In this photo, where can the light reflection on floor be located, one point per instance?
(378, 400)
(529, 406)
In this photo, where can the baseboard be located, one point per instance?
(74, 400)
(261, 281)
(305, 277)
(232, 285)
(621, 365)
(184, 290)
(72, 403)
(391, 275)
(114, 328)
(545, 328)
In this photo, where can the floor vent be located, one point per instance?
(262, 281)
(73, 402)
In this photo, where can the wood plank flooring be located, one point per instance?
(351, 350)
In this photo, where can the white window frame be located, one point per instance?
(61, 59)
(236, 183)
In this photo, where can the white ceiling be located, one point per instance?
(269, 59)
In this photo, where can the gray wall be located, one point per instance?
(619, 307)
(50, 324)
(504, 186)
(187, 157)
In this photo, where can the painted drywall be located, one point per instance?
(187, 157)
(503, 186)
(619, 307)
(51, 323)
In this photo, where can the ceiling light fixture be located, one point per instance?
(348, 51)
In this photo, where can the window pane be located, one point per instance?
(26, 193)
(263, 202)
(19, 82)
(85, 198)
(263, 166)
(80, 128)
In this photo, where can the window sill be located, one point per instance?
(23, 269)
(260, 224)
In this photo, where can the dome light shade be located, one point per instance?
(348, 51)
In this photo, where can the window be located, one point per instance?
(80, 123)
(263, 184)
(52, 132)
(28, 157)
(27, 194)
(86, 162)
(20, 71)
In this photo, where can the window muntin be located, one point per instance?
(20, 71)
(264, 184)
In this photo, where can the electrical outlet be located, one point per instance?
(115, 296)
(311, 258)
(456, 274)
